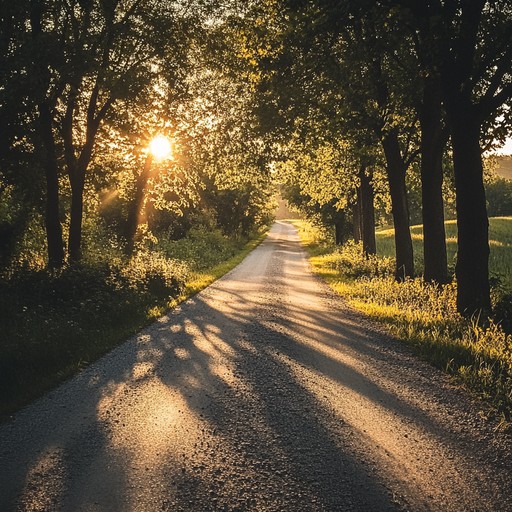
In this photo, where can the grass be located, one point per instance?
(500, 241)
(424, 315)
(55, 324)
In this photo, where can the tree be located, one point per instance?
(343, 74)
(472, 45)
(129, 45)
(366, 210)
(327, 215)
(47, 89)
(84, 60)
(432, 145)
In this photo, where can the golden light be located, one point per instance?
(160, 147)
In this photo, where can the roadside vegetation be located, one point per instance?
(133, 173)
(425, 315)
(55, 323)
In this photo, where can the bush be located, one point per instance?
(55, 322)
(502, 300)
(202, 248)
(498, 192)
(154, 274)
(349, 261)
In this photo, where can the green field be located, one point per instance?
(500, 241)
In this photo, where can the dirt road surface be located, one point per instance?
(262, 393)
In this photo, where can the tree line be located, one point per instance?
(340, 100)
(364, 91)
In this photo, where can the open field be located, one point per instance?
(500, 241)
(505, 167)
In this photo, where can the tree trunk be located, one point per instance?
(52, 216)
(396, 169)
(472, 268)
(367, 208)
(76, 217)
(51, 168)
(339, 229)
(357, 228)
(433, 141)
(135, 210)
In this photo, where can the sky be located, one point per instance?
(506, 149)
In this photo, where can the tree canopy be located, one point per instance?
(363, 111)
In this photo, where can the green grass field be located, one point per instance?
(500, 242)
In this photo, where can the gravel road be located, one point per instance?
(262, 393)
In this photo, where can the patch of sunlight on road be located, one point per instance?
(142, 370)
(147, 435)
(181, 353)
(212, 344)
(391, 439)
(50, 464)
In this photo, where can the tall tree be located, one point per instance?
(472, 45)
(365, 204)
(47, 90)
(341, 68)
(86, 59)
(116, 52)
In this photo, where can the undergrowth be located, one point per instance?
(55, 323)
(422, 314)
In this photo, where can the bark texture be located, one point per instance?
(472, 267)
(396, 169)
(367, 208)
(433, 141)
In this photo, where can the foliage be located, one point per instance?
(202, 248)
(56, 322)
(53, 323)
(348, 261)
(498, 192)
(153, 274)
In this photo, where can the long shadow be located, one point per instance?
(263, 441)
(291, 449)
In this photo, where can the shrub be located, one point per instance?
(151, 273)
(55, 322)
(349, 261)
(202, 248)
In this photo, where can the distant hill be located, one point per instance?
(504, 168)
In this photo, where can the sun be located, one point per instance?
(160, 147)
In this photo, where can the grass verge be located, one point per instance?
(420, 314)
(55, 324)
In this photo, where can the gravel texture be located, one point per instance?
(262, 393)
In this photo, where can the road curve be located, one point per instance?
(262, 393)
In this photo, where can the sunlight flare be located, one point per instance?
(160, 147)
